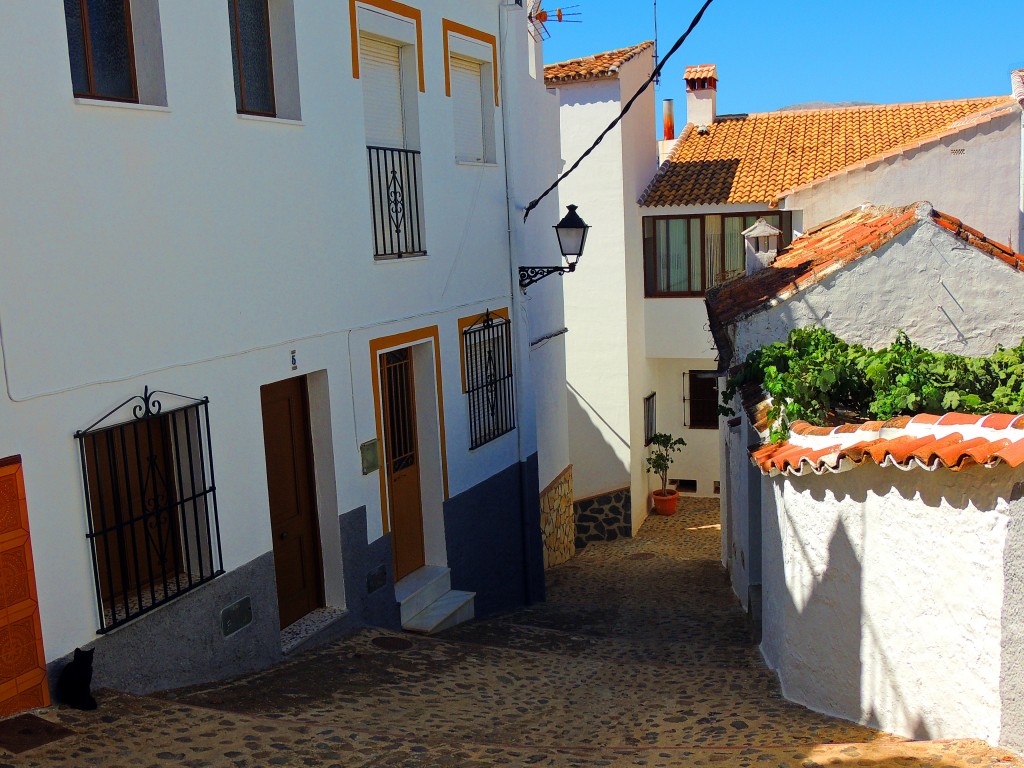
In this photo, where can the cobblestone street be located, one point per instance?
(640, 657)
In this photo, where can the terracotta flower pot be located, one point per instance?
(665, 504)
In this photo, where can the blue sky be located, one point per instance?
(771, 55)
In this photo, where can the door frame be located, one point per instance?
(424, 347)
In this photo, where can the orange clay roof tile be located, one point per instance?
(953, 441)
(594, 67)
(700, 72)
(833, 245)
(756, 158)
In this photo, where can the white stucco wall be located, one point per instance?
(191, 249)
(883, 596)
(981, 186)
(595, 303)
(947, 296)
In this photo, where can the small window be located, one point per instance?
(487, 365)
(650, 417)
(152, 507)
(467, 109)
(251, 57)
(703, 401)
(101, 49)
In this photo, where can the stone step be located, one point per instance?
(421, 588)
(453, 607)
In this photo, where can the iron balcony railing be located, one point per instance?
(396, 202)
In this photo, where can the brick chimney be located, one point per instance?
(701, 92)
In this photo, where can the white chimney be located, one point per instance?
(761, 241)
(701, 93)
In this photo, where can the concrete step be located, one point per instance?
(420, 588)
(453, 607)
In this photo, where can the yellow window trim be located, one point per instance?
(396, 341)
(399, 9)
(449, 27)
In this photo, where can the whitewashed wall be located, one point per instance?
(191, 249)
(981, 186)
(597, 364)
(884, 594)
(947, 296)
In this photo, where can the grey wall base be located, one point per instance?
(493, 536)
(181, 643)
(1011, 678)
(604, 518)
(369, 574)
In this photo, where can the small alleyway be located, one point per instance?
(640, 657)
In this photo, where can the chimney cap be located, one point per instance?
(761, 228)
(701, 72)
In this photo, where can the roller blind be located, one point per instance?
(380, 70)
(467, 105)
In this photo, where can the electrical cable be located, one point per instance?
(653, 76)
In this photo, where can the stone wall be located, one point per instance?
(557, 520)
(603, 518)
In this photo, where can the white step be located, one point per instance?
(420, 588)
(454, 607)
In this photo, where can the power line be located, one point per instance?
(653, 76)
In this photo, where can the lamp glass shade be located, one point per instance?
(572, 234)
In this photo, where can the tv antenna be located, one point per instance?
(539, 18)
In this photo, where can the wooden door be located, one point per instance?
(294, 522)
(22, 661)
(401, 462)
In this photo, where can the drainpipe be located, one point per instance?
(530, 594)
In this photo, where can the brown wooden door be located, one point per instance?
(401, 463)
(293, 516)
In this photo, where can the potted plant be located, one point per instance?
(663, 445)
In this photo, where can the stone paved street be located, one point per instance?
(640, 657)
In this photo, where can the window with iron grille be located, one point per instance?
(487, 365)
(703, 401)
(152, 505)
(650, 417)
(251, 57)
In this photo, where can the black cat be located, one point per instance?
(74, 681)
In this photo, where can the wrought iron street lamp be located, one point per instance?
(572, 235)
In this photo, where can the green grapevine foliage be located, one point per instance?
(818, 377)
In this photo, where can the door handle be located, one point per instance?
(283, 535)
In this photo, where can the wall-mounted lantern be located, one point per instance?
(572, 236)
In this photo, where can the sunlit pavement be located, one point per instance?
(640, 657)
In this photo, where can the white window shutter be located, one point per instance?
(380, 70)
(467, 106)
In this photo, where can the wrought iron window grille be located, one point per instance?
(487, 354)
(151, 502)
(396, 192)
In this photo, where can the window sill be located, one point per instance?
(400, 259)
(268, 119)
(475, 163)
(121, 105)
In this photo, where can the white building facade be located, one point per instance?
(301, 219)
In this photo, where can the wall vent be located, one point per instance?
(958, 151)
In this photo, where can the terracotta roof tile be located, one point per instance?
(832, 246)
(953, 441)
(757, 158)
(700, 72)
(596, 67)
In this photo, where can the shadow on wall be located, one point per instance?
(596, 466)
(821, 635)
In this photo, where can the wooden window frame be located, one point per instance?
(650, 246)
(87, 48)
(233, 6)
(650, 417)
(705, 419)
